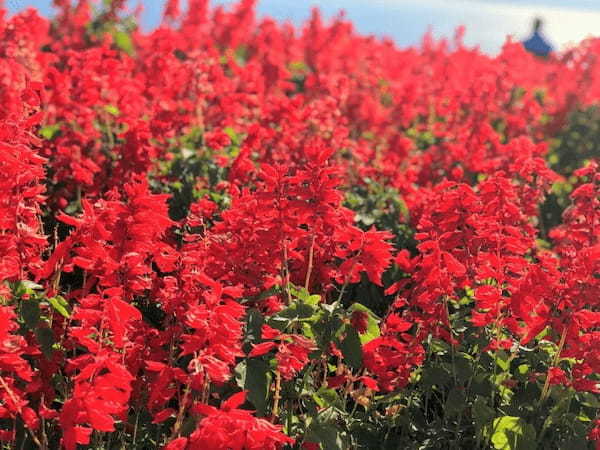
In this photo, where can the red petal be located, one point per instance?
(336, 382)
(453, 265)
(234, 401)
(261, 349)
(177, 444)
(100, 421)
(369, 382)
(163, 415)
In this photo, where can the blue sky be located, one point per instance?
(487, 21)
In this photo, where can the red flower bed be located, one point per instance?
(233, 234)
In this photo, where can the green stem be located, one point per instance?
(546, 388)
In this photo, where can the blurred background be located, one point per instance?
(487, 22)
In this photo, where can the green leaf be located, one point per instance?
(299, 293)
(240, 373)
(265, 294)
(523, 369)
(304, 296)
(30, 311)
(482, 384)
(112, 109)
(254, 323)
(439, 346)
(558, 411)
(49, 132)
(189, 425)
(436, 376)
(502, 360)
(463, 366)
(326, 397)
(455, 402)
(31, 285)
(373, 331)
(512, 433)
(505, 392)
(588, 399)
(60, 305)
(123, 41)
(351, 348)
(326, 327)
(296, 311)
(326, 434)
(482, 414)
(45, 337)
(253, 376)
(26, 287)
(308, 331)
(235, 139)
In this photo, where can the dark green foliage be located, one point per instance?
(192, 173)
(578, 142)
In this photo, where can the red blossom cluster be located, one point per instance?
(112, 307)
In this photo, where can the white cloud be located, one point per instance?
(488, 22)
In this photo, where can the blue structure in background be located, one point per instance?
(536, 43)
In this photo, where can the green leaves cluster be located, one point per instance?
(468, 396)
(576, 144)
(192, 161)
(382, 207)
(310, 409)
(35, 312)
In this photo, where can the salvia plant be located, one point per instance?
(232, 233)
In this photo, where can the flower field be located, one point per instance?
(233, 233)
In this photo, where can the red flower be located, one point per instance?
(360, 321)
